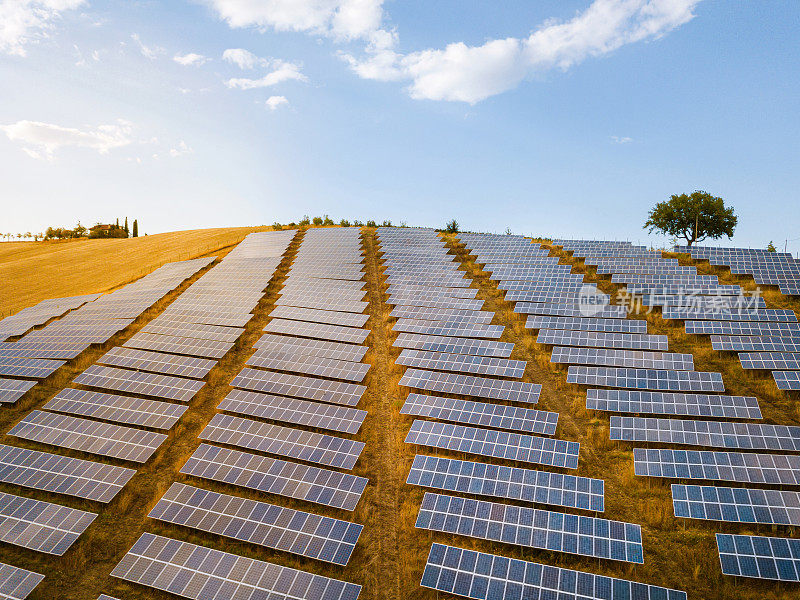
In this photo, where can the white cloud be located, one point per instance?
(244, 59)
(621, 140)
(42, 140)
(344, 19)
(273, 102)
(150, 52)
(282, 71)
(473, 73)
(190, 59)
(180, 150)
(25, 21)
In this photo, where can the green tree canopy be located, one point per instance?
(693, 217)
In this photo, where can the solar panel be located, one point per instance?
(468, 385)
(575, 309)
(454, 345)
(162, 325)
(157, 362)
(593, 339)
(759, 557)
(136, 382)
(567, 297)
(39, 525)
(474, 574)
(268, 525)
(441, 328)
(59, 352)
(733, 314)
(12, 390)
(499, 416)
(311, 365)
(16, 583)
(787, 380)
(622, 358)
(432, 301)
(61, 474)
(531, 527)
(37, 368)
(274, 476)
(284, 441)
(283, 384)
(773, 469)
(442, 314)
(712, 302)
(772, 361)
(514, 483)
(742, 328)
(587, 324)
(422, 291)
(482, 365)
(194, 315)
(669, 403)
(292, 410)
(715, 434)
(319, 316)
(737, 343)
(121, 409)
(736, 505)
(192, 571)
(280, 344)
(322, 302)
(318, 330)
(498, 444)
(179, 345)
(646, 379)
(88, 436)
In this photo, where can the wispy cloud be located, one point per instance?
(244, 59)
(273, 102)
(23, 22)
(151, 52)
(190, 59)
(42, 140)
(621, 140)
(282, 71)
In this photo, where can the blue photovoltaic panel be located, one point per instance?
(498, 444)
(593, 339)
(759, 557)
(478, 575)
(277, 527)
(670, 403)
(622, 358)
(772, 469)
(280, 477)
(534, 528)
(733, 314)
(454, 345)
(787, 380)
(610, 311)
(303, 445)
(742, 328)
(467, 385)
(736, 505)
(738, 343)
(514, 483)
(16, 583)
(646, 379)
(481, 365)
(198, 572)
(714, 434)
(485, 414)
(771, 361)
(587, 324)
(12, 390)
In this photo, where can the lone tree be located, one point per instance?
(452, 226)
(695, 217)
(135, 228)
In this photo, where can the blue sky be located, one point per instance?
(560, 118)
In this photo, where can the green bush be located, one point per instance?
(371, 223)
(344, 223)
(452, 226)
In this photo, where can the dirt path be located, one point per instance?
(385, 570)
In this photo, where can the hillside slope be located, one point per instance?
(33, 271)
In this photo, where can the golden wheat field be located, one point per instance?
(390, 556)
(34, 271)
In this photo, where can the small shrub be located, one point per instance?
(292, 225)
(317, 221)
(327, 221)
(358, 223)
(371, 223)
(387, 223)
(344, 223)
(305, 221)
(452, 226)
(277, 226)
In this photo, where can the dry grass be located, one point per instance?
(390, 557)
(33, 271)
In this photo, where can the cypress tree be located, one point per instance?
(135, 228)
(126, 225)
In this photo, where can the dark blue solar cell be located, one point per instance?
(480, 587)
(743, 544)
(786, 569)
(622, 589)
(766, 566)
(748, 566)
